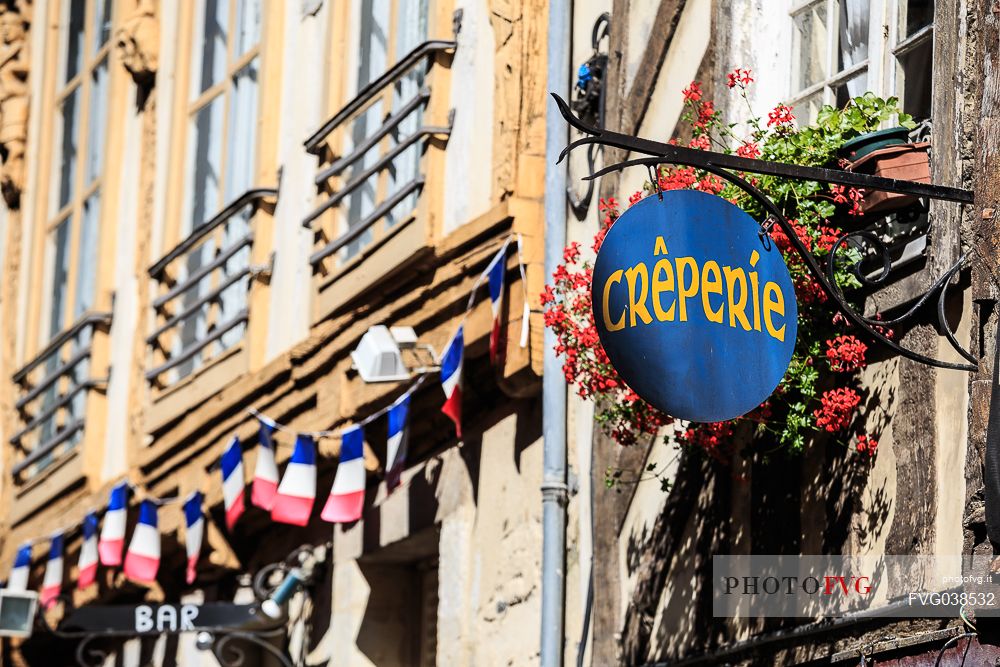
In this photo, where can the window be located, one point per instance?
(74, 223)
(80, 128)
(388, 31)
(220, 164)
(54, 413)
(223, 110)
(381, 149)
(839, 47)
(913, 56)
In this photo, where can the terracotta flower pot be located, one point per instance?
(904, 162)
(859, 147)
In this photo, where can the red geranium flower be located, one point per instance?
(867, 445)
(781, 115)
(692, 93)
(739, 77)
(836, 407)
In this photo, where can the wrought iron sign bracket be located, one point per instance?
(729, 167)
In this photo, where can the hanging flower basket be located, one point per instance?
(905, 162)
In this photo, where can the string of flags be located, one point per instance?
(290, 497)
(194, 533)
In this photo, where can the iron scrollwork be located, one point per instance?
(726, 166)
(232, 655)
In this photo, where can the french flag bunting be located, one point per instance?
(142, 559)
(451, 379)
(194, 522)
(87, 564)
(52, 581)
(265, 474)
(347, 497)
(233, 482)
(399, 414)
(112, 541)
(496, 276)
(18, 579)
(297, 491)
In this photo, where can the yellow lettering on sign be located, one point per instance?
(661, 285)
(660, 248)
(686, 290)
(774, 304)
(724, 290)
(615, 277)
(638, 274)
(711, 283)
(737, 309)
(754, 258)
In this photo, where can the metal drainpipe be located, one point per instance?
(554, 491)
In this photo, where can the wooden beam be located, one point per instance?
(668, 15)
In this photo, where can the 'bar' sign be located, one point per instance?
(159, 619)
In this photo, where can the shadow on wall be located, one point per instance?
(824, 501)
(399, 626)
(400, 537)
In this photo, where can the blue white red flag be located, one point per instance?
(496, 273)
(18, 579)
(396, 444)
(265, 473)
(112, 541)
(194, 532)
(347, 497)
(451, 379)
(87, 563)
(233, 482)
(297, 491)
(142, 560)
(52, 581)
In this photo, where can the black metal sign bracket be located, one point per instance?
(729, 167)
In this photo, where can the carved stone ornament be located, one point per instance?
(14, 66)
(138, 42)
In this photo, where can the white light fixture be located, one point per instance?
(377, 358)
(17, 612)
(405, 337)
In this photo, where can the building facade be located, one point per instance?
(925, 491)
(207, 205)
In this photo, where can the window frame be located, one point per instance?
(884, 51)
(340, 220)
(410, 239)
(185, 100)
(194, 102)
(897, 49)
(83, 187)
(83, 329)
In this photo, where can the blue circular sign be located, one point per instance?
(694, 306)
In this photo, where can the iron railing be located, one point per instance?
(201, 309)
(376, 177)
(53, 390)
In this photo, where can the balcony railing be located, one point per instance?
(375, 180)
(202, 308)
(53, 390)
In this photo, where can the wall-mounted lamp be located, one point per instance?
(379, 357)
(17, 612)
